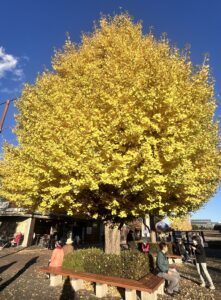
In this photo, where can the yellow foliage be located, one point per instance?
(122, 126)
(182, 224)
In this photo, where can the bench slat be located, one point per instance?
(151, 281)
(150, 284)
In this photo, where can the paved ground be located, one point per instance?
(22, 281)
(190, 289)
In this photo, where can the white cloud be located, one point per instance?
(18, 74)
(9, 63)
(9, 91)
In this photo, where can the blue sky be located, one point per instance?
(31, 30)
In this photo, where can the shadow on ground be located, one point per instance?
(67, 292)
(5, 267)
(19, 273)
(13, 252)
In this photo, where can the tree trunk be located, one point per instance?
(153, 236)
(112, 238)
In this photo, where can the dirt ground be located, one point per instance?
(22, 281)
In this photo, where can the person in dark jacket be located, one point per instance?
(201, 265)
(182, 250)
(163, 270)
(131, 240)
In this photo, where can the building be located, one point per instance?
(34, 226)
(202, 223)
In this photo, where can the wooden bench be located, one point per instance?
(172, 258)
(149, 286)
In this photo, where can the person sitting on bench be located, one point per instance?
(163, 270)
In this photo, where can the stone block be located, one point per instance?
(160, 290)
(101, 290)
(77, 284)
(130, 294)
(55, 280)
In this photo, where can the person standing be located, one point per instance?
(169, 274)
(57, 255)
(201, 264)
(182, 250)
(131, 240)
(199, 239)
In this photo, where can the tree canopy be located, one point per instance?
(123, 125)
(181, 224)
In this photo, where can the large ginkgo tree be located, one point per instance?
(122, 126)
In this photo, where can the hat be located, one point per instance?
(58, 244)
(69, 241)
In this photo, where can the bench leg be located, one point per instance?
(130, 294)
(160, 290)
(145, 296)
(55, 280)
(148, 296)
(77, 284)
(101, 290)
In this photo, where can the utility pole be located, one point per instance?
(4, 114)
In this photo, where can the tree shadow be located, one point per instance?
(19, 273)
(213, 269)
(21, 249)
(5, 267)
(189, 278)
(68, 292)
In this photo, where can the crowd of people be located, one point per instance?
(172, 276)
(163, 269)
(12, 241)
(194, 252)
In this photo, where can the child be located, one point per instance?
(200, 255)
(57, 255)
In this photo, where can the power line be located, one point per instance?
(11, 100)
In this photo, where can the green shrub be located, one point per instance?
(129, 264)
(135, 264)
(77, 260)
(106, 264)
